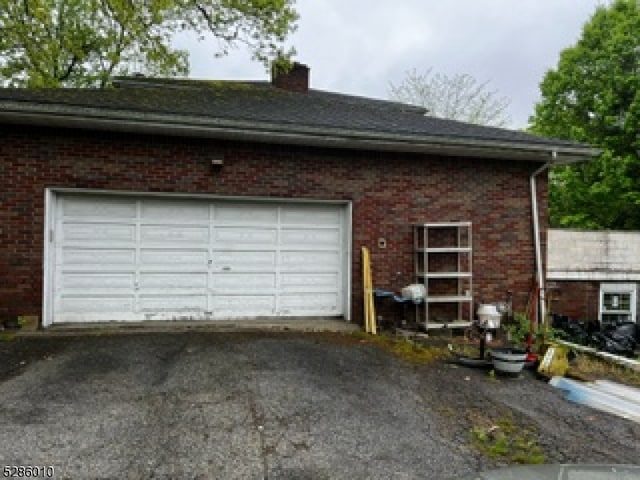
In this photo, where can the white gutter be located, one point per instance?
(536, 237)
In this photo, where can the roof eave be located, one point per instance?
(262, 132)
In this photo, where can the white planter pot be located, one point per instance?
(508, 360)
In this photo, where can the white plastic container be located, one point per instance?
(489, 316)
(415, 292)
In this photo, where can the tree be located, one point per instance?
(458, 97)
(80, 43)
(593, 96)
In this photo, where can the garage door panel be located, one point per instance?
(98, 232)
(173, 303)
(98, 207)
(172, 280)
(84, 281)
(310, 261)
(243, 305)
(174, 234)
(174, 256)
(97, 257)
(136, 259)
(310, 303)
(244, 282)
(96, 303)
(244, 259)
(310, 238)
(245, 236)
(245, 214)
(296, 282)
(174, 211)
(311, 215)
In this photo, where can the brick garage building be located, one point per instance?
(180, 199)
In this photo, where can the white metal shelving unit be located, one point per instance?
(446, 271)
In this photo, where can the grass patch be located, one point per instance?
(7, 337)
(466, 349)
(590, 367)
(405, 349)
(502, 439)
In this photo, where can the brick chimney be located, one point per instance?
(296, 79)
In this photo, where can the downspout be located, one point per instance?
(536, 236)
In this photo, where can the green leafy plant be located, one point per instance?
(520, 329)
(84, 43)
(593, 97)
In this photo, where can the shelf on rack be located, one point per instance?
(443, 224)
(444, 274)
(444, 250)
(455, 324)
(448, 273)
(449, 298)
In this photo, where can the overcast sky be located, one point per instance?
(359, 46)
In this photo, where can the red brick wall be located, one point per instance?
(580, 300)
(576, 300)
(389, 192)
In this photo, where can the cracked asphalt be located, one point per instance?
(270, 406)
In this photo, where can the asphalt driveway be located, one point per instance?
(257, 406)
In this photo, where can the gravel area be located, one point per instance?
(272, 406)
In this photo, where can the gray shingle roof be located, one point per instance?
(259, 112)
(259, 102)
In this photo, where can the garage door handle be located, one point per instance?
(226, 269)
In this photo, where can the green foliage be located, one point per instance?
(7, 337)
(593, 367)
(507, 441)
(83, 43)
(519, 329)
(405, 349)
(521, 326)
(593, 96)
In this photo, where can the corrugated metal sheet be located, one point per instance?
(602, 395)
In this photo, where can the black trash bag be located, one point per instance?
(630, 329)
(577, 333)
(572, 330)
(615, 341)
(559, 322)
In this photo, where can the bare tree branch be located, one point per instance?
(457, 97)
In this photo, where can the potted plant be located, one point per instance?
(511, 359)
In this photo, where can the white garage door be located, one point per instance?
(146, 258)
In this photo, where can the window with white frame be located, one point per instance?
(617, 303)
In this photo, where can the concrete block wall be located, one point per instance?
(593, 255)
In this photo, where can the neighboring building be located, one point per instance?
(595, 274)
(183, 199)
